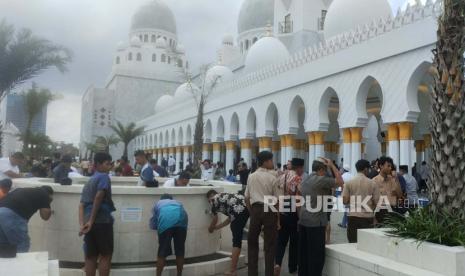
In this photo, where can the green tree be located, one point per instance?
(35, 100)
(105, 142)
(24, 56)
(38, 146)
(447, 181)
(127, 133)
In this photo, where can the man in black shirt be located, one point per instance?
(15, 211)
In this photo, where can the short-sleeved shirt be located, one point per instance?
(98, 182)
(168, 213)
(262, 183)
(362, 187)
(312, 188)
(389, 187)
(127, 170)
(5, 166)
(231, 205)
(26, 201)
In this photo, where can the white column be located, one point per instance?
(159, 156)
(178, 159)
(393, 138)
(319, 151)
(275, 149)
(185, 156)
(356, 147)
(406, 144)
(230, 146)
(287, 151)
(347, 154)
(216, 152)
(206, 151)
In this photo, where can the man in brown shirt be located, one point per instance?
(357, 190)
(262, 183)
(389, 187)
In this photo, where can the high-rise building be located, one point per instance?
(13, 110)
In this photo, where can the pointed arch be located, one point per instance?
(296, 114)
(188, 135)
(220, 129)
(180, 139)
(271, 120)
(251, 123)
(234, 127)
(207, 135)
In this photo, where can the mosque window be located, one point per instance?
(163, 58)
(130, 56)
(153, 39)
(140, 37)
(247, 45)
(146, 38)
(139, 57)
(117, 60)
(242, 46)
(180, 63)
(254, 40)
(166, 40)
(169, 60)
(154, 57)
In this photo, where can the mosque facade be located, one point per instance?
(344, 79)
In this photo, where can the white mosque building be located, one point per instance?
(303, 78)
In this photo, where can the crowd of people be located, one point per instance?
(267, 191)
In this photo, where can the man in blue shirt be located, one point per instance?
(147, 178)
(95, 219)
(170, 220)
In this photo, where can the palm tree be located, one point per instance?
(91, 148)
(24, 56)
(447, 181)
(35, 100)
(127, 133)
(104, 142)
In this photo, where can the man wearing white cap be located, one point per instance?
(346, 176)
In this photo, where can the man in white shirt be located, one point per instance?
(208, 171)
(171, 164)
(346, 176)
(9, 166)
(181, 181)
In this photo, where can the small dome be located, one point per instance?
(121, 46)
(154, 15)
(344, 15)
(135, 41)
(185, 90)
(255, 14)
(265, 51)
(163, 102)
(180, 48)
(160, 43)
(219, 74)
(228, 40)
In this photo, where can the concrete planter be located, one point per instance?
(379, 254)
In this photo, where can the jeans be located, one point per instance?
(13, 230)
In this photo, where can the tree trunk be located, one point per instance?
(446, 183)
(125, 151)
(198, 139)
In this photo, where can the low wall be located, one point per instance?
(135, 242)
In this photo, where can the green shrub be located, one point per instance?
(427, 225)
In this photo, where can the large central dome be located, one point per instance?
(255, 14)
(154, 15)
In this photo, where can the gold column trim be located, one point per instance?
(405, 131)
(393, 132)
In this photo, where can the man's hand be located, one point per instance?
(211, 229)
(85, 229)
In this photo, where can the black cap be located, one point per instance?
(297, 162)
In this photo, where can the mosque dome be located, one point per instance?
(160, 43)
(344, 15)
(180, 48)
(163, 102)
(219, 73)
(265, 51)
(135, 41)
(255, 14)
(184, 91)
(154, 15)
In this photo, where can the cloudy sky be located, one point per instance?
(92, 28)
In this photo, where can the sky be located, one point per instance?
(93, 28)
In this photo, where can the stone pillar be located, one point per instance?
(347, 147)
(216, 152)
(178, 159)
(427, 148)
(311, 149)
(356, 141)
(185, 155)
(319, 144)
(393, 139)
(265, 144)
(287, 151)
(383, 148)
(420, 150)
(159, 155)
(275, 149)
(206, 151)
(230, 147)
(246, 151)
(406, 144)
